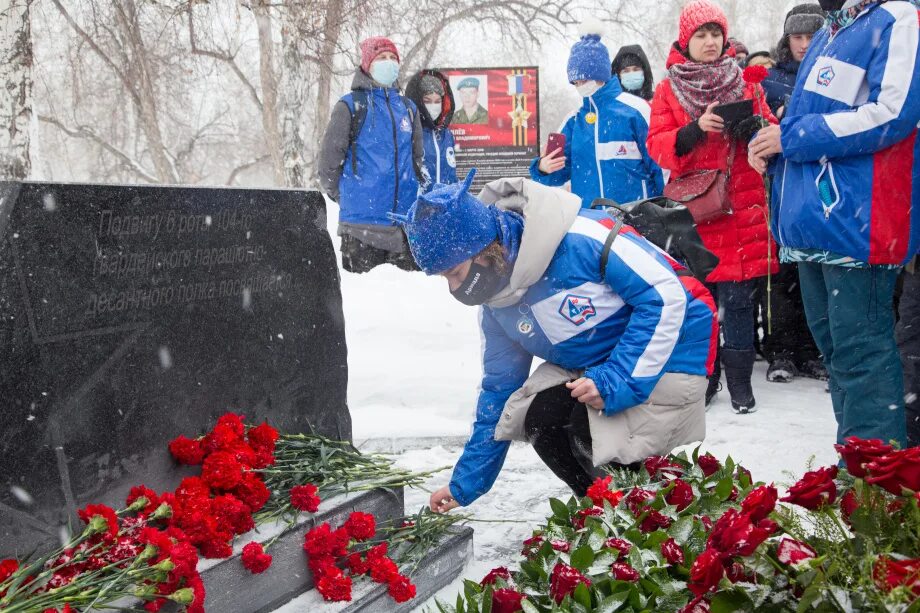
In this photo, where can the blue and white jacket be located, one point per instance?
(440, 155)
(847, 180)
(605, 150)
(626, 329)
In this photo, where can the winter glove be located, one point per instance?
(688, 137)
(745, 129)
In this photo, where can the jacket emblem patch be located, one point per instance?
(577, 309)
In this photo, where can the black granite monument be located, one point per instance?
(132, 314)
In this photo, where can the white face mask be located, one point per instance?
(587, 89)
(434, 110)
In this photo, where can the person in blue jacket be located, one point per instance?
(430, 91)
(371, 161)
(605, 154)
(846, 200)
(801, 23)
(627, 336)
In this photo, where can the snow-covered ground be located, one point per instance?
(413, 358)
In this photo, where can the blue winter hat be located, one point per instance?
(589, 60)
(447, 226)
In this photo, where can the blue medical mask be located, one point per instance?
(632, 81)
(385, 72)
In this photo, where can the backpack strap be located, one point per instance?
(608, 244)
(358, 115)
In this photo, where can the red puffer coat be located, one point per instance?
(742, 241)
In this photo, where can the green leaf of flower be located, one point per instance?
(560, 510)
(582, 596)
(583, 557)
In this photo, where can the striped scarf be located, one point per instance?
(840, 19)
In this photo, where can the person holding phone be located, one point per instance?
(626, 354)
(688, 135)
(604, 153)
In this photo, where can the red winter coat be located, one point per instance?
(742, 241)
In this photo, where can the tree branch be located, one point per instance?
(236, 171)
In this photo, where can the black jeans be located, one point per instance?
(557, 427)
(908, 335)
(360, 257)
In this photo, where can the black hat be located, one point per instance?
(804, 19)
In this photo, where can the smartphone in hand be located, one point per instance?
(556, 141)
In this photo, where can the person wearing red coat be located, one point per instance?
(685, 136)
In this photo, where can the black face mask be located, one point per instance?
(832, 5)
(480, 284)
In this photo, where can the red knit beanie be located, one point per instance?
(697, 14)
(374, 46)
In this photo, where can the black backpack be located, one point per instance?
(664, 223)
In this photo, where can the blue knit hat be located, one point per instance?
(589, 60)
(447, 226)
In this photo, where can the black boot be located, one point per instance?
(739, 366)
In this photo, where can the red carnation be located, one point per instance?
(360, 526)
(599, 491)
(506, 600)
(7, 568)
(621, 545)
(383, 569)
(232, 421)
(889, 574)
(897, 471)
(637, 499)
(220, 470)
(578, 521)
(321, 565)
(262, 435)
(141, 491)
(185, 558)
(755, 74)
(217, 548)
(252, 491)
(322, 540)
(672, 552)
(653, 521)
(814, 490)
(110, 528)
(658, 464)
(357, 564)
(857, 452)
(709, 464)
(304, 498)
(334, 586)
(233, 513)
(706, 572)
(791, 551)
(192, 487)
(624, 572)
(563, 580)
(221, 438)
(255, 560)
(400, 588)
(495, 574)
(681, 496)
(377, 552)
(186, 451)
(760, 502)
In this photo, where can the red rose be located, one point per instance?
(814, 490)
(697, 605)
(186, 451)
(252, 491)
(760, 502)
(532, 546)
(707, 523)
(623, 546)
(304, 498)
(360, 526)
(736, 535)
(791, 551)
(334, 586)
(672, 552)
(563, 580)
(255, 560)
(637, 499)
(706, 572)
(220, 470)
(495, 574)
(848, 504)
(560, 545)
(142, 491)
(743, 472)
(110, 527)
(709, 464)
(681, 496)
(858, 452)
(658, 464)
(624, 572)
(768, 525)
(383, 569)
(896, 471)
(653, 521)
(889, 574)
(579, 520)
(736, 572)
(233, 513)
(599, 491)
(506, 600)
(755, 74)
(401, 588)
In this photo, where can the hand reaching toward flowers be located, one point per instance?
(443, 501)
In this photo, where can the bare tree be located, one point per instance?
(293, 95)
(16, 83)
